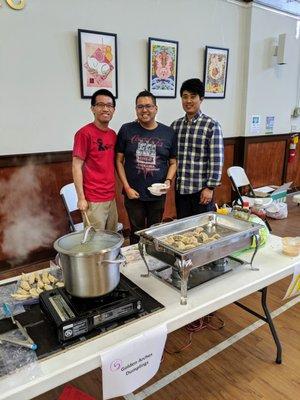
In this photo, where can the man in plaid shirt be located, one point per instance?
(200, 153)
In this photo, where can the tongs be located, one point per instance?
(210, 227)
(27, 342)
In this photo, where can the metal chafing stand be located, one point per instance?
(234, 235)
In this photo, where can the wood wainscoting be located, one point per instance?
(264, 159)
(223, 192)
(47, 173)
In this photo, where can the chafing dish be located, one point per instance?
(233, 235)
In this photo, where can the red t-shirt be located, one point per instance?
(97, 149)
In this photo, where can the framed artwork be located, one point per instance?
(162, 67)
(98, 62)
(215, 72)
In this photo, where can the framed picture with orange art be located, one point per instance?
(162, 67)
(98, 62)
(215, 72)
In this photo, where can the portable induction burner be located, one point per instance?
(74, 317)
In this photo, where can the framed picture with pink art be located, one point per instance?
(98, 62)
(162, 67)
(215, 72)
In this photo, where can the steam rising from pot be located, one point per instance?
(26, 223)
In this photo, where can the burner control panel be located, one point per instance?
(116, 313)
(75, 317)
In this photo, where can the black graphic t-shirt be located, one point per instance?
(147, 153)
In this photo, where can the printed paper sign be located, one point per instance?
(270, 124)
(255, 124)
(130, 365)
(294, 288)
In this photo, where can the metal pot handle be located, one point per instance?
(57, 260)
(121, 259)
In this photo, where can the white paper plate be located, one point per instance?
(155, 192)
(158, 189)
(158, 186)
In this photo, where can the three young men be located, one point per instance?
(147, 152)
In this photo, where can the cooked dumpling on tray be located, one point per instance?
(190, 239)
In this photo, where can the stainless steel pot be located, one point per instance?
(90, 269)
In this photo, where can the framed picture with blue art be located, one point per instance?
(162, 67)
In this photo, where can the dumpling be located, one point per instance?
(45, 278)
(203, 236)
(34, 292)
(52, 278)
(24, 285)
(215, 236)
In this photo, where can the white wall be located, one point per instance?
(272, 88)
(40, 103)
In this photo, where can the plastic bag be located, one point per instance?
(263, 233)
(13, 357)
(277, 211)
(5, 297)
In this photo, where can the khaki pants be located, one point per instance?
(102, 216)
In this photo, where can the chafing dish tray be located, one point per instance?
(230, 235)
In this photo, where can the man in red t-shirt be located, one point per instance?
(93, 164)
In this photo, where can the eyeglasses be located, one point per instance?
(103, 105)
(146, 106)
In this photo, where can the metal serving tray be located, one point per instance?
(234, 235)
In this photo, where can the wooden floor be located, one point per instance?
(244, 371)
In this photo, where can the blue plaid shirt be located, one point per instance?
(200, 153)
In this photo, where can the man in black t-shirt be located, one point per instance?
(146, 154)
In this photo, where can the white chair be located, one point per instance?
(296, 199)
(239, 180)
(69, 198)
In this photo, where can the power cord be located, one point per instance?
(211, 322)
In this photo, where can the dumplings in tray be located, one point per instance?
(30, 286)
(189, 240)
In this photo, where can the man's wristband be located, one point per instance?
(168, 179)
